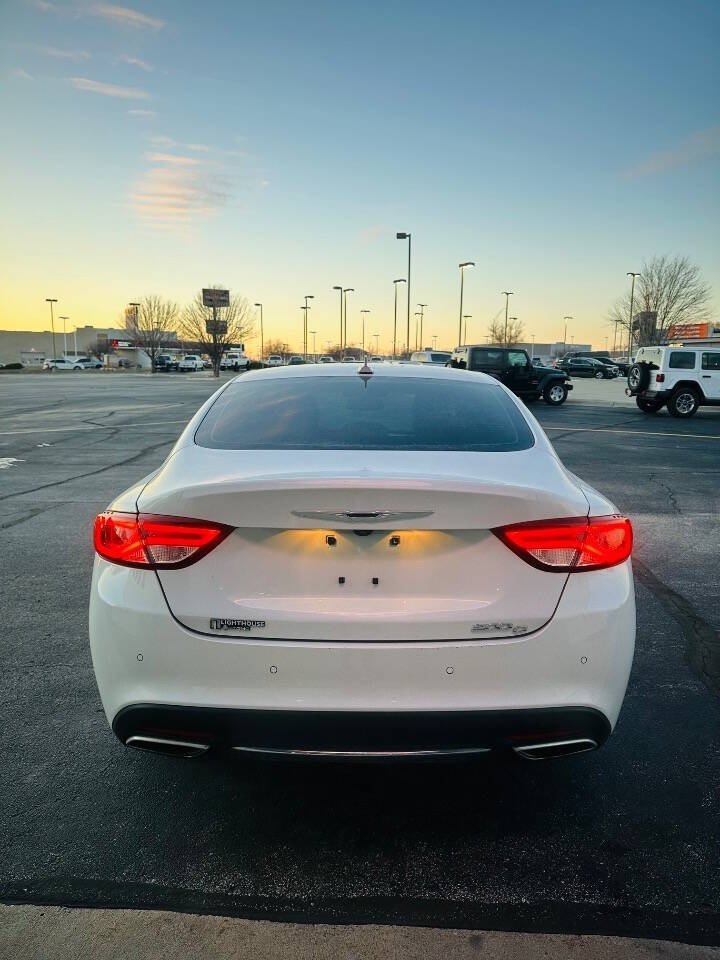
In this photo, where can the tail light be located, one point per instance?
(659, 378)
(154, 542)
(570, 545)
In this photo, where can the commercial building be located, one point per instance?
(32, 347)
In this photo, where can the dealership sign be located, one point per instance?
(688, 331)
(215, 298)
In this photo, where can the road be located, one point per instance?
(623, 842)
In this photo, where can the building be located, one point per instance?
(695, 334)
(32, 347)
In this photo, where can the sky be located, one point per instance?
(276, 148)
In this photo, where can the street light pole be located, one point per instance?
(363, 312)
(65, 335)
(346, 291)
(422, 318)
(632, 297)
(340, 291)
(434, 341)
(565, 334)
(262, 340)
(417, 314)
(395, 283)
(507, 294)
(51, 301)
(512, 318)
(466, 317)
(467, 263)
(377, 344)
(313, 332)
(408, 237)
(308, 296)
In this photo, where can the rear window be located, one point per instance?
(440, 357)
(488, 359)
(682, 360)
(711, 361)
(344, 413)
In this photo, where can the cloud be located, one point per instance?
(142, 113)
(176, 192)
(199, 147)
(705, 143)
(160, 140)
(109, 89)
(61, 54)
(22, 74)
(126, 16)
(136, 62)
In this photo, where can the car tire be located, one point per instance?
(638, 377)
(684, 403)
(555, 394)
(649, 406)
(599, 375)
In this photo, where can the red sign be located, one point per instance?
(687, 331)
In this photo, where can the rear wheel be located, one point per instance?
(599, 375)
(649, 406)
(555, 394)
(684, 402)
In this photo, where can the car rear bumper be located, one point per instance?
(580, 659)
(359, 735)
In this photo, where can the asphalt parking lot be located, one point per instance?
(623, 841)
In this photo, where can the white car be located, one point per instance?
(190, 362)
(326, 358)
(61, 363)
(683, 378)
(388, 563)
(275, 360)
(234, 361)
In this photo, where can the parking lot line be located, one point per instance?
(89, 426)
(633, 433)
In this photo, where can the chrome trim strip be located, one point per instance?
(162, 742)
(371, 516)
(583, 743)
(363, 753)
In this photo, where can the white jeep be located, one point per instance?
(684, 378)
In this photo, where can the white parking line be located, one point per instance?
(85, 427)
(633, 433)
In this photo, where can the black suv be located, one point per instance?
(514, 368)
(602, 368)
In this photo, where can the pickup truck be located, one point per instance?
(514, 368)
(234, 360)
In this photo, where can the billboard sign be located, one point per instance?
(216, 327)
(688, 331)
(215, 298)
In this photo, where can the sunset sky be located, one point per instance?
(277, 147)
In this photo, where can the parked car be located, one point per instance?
(326, 358)
(234, 360)
(190, 362)
(377, 359)
(89, 363)
(441, 609)
(275, 360)
(295, 361)
(682, 378)
(606, 361)
(61, 363)
(441, 357)
(512, 366)
(586, 367)
(350, 359)
(166, 362)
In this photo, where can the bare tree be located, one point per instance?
(234, 325)
(499, 335)
(150, 324)
(274, 346)
(671, 287)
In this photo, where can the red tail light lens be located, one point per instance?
(154, 542)
(570, 545)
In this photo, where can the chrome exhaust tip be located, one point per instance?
(166, 746)
(558, 748)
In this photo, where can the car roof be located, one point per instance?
(420, 371)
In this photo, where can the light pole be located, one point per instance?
(507, 294)
(308, 296)
(65, 335)
(434, 341)
(313, 332)
(565, 334)
(262, 341)
(136, 308)
(422, 317)
(340, 291)
(417, 322)
(377, 344)
(632, 297)
(363, 312)
(408, 237)
(346, 291)
(466, 317)
(395, 283)
(51, 301)
(467, 263)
